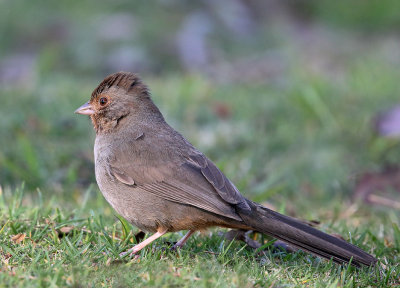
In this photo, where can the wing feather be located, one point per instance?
(188, 178)
(218, 180)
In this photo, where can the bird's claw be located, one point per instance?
(131, 252)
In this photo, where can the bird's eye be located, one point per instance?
(103, 101)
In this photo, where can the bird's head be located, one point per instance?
(119, 96)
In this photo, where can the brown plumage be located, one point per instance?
(153, 177)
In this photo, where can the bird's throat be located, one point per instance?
(102, 124)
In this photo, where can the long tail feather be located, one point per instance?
(304, 237)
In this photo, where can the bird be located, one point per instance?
(159, 182)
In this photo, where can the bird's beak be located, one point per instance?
(85, 109)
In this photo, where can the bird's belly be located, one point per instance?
(129, 203)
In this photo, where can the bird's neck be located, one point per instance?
(128, 123)
(105, 125)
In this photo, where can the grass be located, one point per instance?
(35, 253)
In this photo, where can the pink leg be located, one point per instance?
(182, 242)
(144, 243)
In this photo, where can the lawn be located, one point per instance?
(293, 128)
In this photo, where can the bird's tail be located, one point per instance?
(304, 237)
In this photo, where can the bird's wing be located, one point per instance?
(190, 179)
(224, 187)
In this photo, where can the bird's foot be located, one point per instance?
(132, 252)
(182, 242)
(175, 247)
(143, 244)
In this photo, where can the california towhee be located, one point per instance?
(159, 182)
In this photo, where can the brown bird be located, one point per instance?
(158, 181)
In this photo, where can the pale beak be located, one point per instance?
(85, 109)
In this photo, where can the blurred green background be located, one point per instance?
(282, 95)
(296, 101)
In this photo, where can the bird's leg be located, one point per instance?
(182, 242)
(144, 243)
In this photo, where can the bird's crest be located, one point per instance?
(125, 80)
